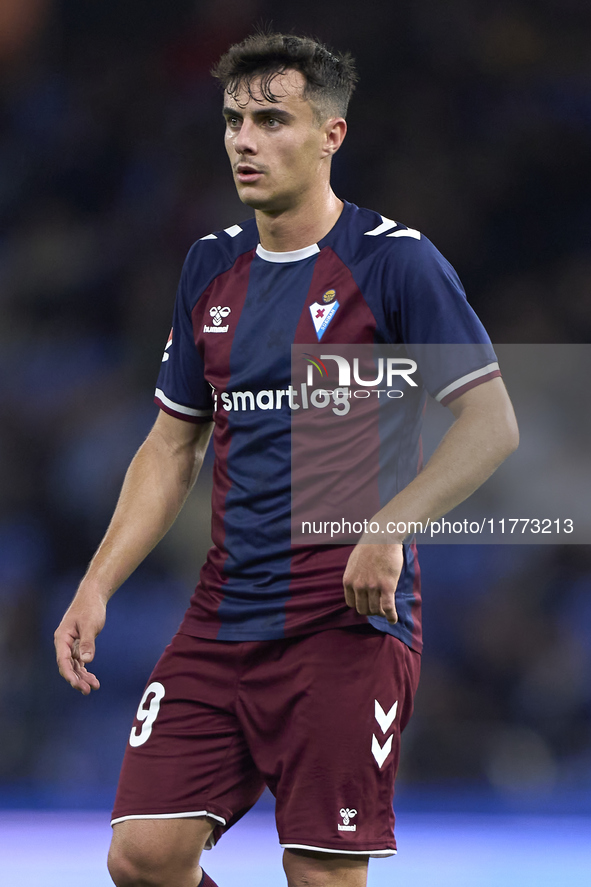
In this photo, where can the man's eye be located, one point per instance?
(272, 121)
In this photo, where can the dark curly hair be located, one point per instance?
(330, 77)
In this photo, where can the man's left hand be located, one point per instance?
(371, 578)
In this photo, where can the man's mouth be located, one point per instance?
(246, 173)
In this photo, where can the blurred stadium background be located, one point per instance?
(472, 123)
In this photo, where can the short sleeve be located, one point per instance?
(181, 389)
(439, 328)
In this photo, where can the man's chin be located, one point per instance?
(263, 203)
(250, 197)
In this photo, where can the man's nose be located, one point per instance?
(245, 141)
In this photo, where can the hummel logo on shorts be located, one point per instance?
(347, 816)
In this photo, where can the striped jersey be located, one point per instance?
(240, 312)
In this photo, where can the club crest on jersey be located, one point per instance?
(323, 314)
(218, 313)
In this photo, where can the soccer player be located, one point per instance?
(296, 665)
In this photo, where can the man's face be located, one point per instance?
(277, 149)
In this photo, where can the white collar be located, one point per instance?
(295, 255)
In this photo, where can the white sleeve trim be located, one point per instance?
(170, 816)
(465, 379)
(179, 408)
(340, 852)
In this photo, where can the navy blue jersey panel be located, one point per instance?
(399, 423)
(182, 388)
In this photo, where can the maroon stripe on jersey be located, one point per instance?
(226, 291)
(317, 595)
(463, 388)
(353, 323)
(317, 571)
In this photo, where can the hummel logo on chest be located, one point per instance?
(218, 313)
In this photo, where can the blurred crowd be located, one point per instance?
(472, 123)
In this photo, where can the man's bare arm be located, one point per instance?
(158, 480)
(483, 435)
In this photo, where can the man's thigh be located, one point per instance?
(323, 717)
(186, 756)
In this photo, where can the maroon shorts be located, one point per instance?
(317, 718)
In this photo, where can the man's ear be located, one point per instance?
(335, 130)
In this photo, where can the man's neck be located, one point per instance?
(301, 226)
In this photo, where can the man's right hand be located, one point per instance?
(158, 481)
(74, 641)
